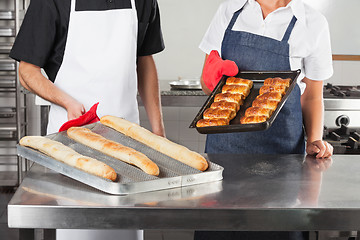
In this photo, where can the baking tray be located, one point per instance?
(191, 84)
(130, 178)
(235, 125)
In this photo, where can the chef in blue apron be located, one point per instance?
(92, 51)
(271, 35)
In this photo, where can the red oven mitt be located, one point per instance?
(89, 117)
(215, 68)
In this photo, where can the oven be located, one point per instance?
(342, 118)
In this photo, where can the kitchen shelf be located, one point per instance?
(7, 112)
(13, 119)
(7, 65)
(7, 15)
(5, 48)
(8, 133)
(7, 32)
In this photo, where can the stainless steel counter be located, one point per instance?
(259, 192)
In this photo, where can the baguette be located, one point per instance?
(156, 142)
(67, 155)
(113, 149)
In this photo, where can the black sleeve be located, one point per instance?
(36, 36)
(152, 40)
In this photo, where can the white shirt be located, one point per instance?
(310, 48)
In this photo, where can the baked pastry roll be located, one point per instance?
(277, 81)
(212, 122)
(273, 88)
(270, 104)
(236, 98)
(275, 96)
(258, 111)
(212, 113)
(236, 89)
(224, 105)
(253, 119)
(239, 81)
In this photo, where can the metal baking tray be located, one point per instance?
(191, 84)
(235, 125)
(130, 178)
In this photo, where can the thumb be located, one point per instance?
(229, 68)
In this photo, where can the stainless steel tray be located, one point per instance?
(130, 179)
(191, 84)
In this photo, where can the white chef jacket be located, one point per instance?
(310, 48)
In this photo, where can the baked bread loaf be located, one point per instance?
(224, 105)
(275, 96)
(215, 113)
(258, 111)
(253, 119)
(67, 155)
(236, 98)
(270, 104)
(156, 142)
(239, 81)
(212, 122)
(277, 81)
(236, 89)
(273, 88)
(113, 149)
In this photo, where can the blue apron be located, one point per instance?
(254, 52)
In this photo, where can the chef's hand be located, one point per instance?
(322, 149)
(74, 109)
(215, 68)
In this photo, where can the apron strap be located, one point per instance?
(234, 18)
(289, 29)
(73, 3)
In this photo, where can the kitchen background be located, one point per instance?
(184, 24)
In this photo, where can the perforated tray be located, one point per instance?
(235, 125)
(130, 178)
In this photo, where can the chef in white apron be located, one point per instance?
(99, 64)
(112, 81)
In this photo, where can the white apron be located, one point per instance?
(99, 64)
